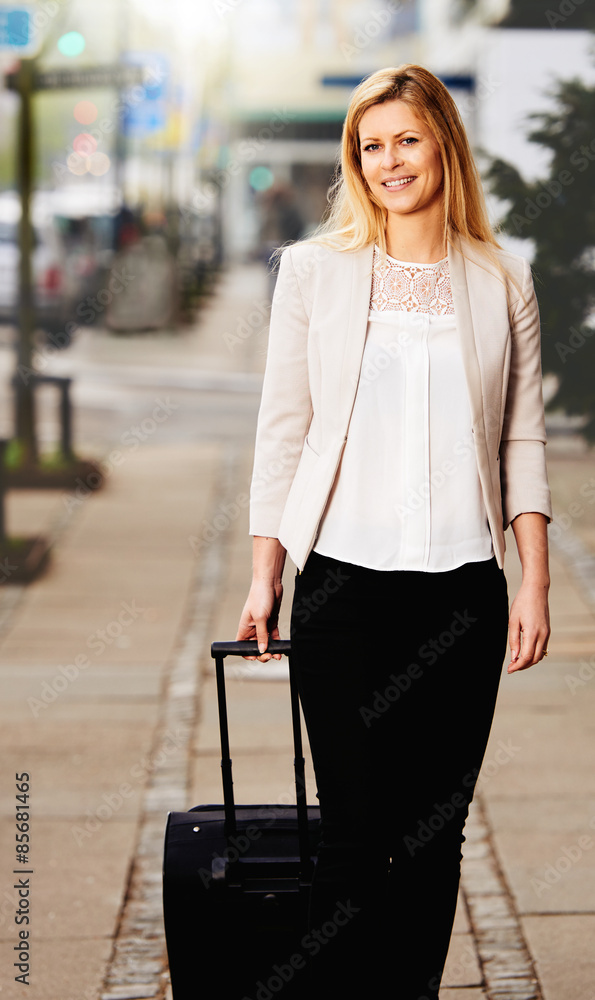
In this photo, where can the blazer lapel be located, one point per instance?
(358, 281)
(464, 318)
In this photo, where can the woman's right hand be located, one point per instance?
(260, 617)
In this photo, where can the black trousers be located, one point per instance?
(398, 675)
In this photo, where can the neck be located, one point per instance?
(407, 239)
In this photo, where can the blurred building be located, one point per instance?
(292, 67)
(292, 64)
(233, 143)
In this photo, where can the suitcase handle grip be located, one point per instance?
(249, 647)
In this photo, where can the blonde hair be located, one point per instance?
(354, 218)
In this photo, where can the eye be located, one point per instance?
(371, 146)
(410, 139)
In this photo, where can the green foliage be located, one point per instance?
(13, 456)
(555, 14)
(13, 546)
(50, 461)
(558, 214)
(55, 461)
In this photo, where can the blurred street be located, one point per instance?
(107, 693)
(117, 380)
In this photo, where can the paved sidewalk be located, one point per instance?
(539, 794)
(107, 701)
(81, 671)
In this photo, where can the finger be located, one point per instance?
(521, 663)
(275, 635)
(514, 635)
(527, 656)
(533, 649)
(246, 631)
(262, 636)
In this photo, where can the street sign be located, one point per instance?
(87, 76)
(143, 118)
(16, 28)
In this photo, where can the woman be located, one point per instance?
(401, 430)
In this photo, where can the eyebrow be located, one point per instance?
(373, 138)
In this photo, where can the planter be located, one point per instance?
(79, 474)
(22, 559)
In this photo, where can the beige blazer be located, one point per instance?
(317, 332)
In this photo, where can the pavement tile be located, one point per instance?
(135, 711)
(70, 784)
(78, 737)
(77, 886)
(555, 815)
(38, 622)
(126, 650)
(154, 579)
(259, 778)
(565, 981)
(150, 539)
(101, 638)
(454, 993)
(462, 965)
(461, 922)
(259, 713)
(549, 677)
(105, 604)
(29, 512)
(541, 751)
(563, 949)
(69, 968)
(95, 685)
(550, 873)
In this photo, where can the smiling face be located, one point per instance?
(400, 159)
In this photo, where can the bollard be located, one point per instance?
(62, 383)
(66, 419)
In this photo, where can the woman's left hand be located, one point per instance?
(529, 622)
(529, 626)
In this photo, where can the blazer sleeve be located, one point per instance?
(286, 406)
(523, 473)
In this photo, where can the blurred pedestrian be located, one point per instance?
(281, 223)
(126, 228)
(401, 430)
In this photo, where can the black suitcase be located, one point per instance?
(236, 880)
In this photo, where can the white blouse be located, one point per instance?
(407, 495)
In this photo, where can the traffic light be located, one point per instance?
(71, 44)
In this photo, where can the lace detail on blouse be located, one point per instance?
(403, 286)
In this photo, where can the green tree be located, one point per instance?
(571, 14)
(558, 214)
(566, 14)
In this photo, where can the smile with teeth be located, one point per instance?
(399, 182)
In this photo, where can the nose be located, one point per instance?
(392, 156)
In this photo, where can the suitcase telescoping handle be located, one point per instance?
(249, 647)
